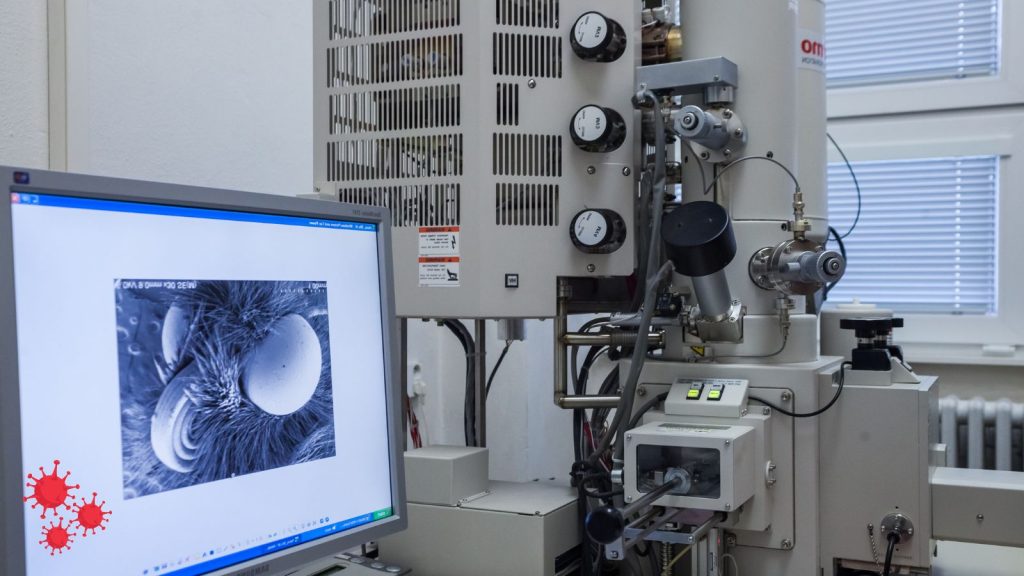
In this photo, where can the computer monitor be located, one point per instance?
(193, 381)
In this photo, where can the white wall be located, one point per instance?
(23, 84)
(191, 91)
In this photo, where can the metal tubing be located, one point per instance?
(480, 358)
(651, 496)
(587, 402)
(561, 357)
(562, 397)
(577, 339)
(713, 295)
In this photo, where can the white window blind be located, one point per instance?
(884, 41)
(927, 237)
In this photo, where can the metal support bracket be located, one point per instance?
(689, 76)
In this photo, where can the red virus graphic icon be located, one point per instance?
(90, 516)
(50, 490)
(57, 537)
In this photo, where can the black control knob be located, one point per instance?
(597, 38)
(598, 231)
(605, 525)
(597, 129)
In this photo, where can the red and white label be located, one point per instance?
(439, 257)
(811, 51)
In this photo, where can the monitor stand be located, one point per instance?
(349, 565)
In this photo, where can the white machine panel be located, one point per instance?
(457, 116)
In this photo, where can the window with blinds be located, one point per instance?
(885, 41)
(926, 242)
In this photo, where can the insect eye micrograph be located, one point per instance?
(221, 379)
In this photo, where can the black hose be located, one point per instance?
(469, 407)
(856, 184)
(645, 408)
(818, 412)
(490, 379)
(894, 539)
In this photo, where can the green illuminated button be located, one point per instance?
(715, 394)
(695, 391)
(380, 514)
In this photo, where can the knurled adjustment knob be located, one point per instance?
(598, 129)
(871, 328)
(597, 38)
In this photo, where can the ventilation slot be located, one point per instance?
(395, 158)
(402, 109)
(527, 55)
(399, 61)
(527, 155)
(423, 205)
(363, 18)
(532, 13)
(527, 205)
(508, 104)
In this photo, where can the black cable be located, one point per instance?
(842, 250)
(490, 379)
(856, 184)
(894, 539)
(818, 412)
(645, 408)
(469, 407)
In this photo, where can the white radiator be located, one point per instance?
(982, 434)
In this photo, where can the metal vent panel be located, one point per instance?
(527, 55)
(490, 156)
(388, 62)
(400, 109)
(414, 205)
(526, 204)
(366, 18)
(530, 13)
(508, 104)
(528, 155)
(430, 156)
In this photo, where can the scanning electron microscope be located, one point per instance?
(661, 168)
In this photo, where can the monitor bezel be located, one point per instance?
(12, 525)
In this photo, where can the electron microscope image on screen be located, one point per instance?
(221, 379)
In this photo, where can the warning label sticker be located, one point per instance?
(442, 272)
(439, 241)
(439, 260)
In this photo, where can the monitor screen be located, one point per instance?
(199, 388)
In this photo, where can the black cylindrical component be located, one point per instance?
(598, 129)
(699, 238)
(598, 231)
(597, 38)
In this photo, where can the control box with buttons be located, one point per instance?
(707, 397)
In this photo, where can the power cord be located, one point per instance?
(856, 184)
(469, 407)
(490, 379)
(894, 539)
(818, 412)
